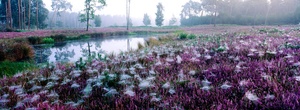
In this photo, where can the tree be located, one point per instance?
(29, 13)
(59, 6)
(97, 21)
(89, 11)
(172, 21)
(159, 15)
(128, 13)
(146, 20)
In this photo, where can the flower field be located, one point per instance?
(254, 70)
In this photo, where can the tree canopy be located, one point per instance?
(90, 9)
(146, 20)
(242, 12)
(159, 15)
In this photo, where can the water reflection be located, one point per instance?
(74, 50)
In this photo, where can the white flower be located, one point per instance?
(53, 94)
(251, 96)
(87, 90)
(265, 76)
(207, 57)
(151, 78)
(75, 85)
(35, 98)
(179, 60)
(169, 59)
(172, 91)
(152, 72)
(269, 96)
(145, 84)
(225, 86)
(192, 72)
(297, 78)
(166, 85)
(243, 82)
(205, 82)
(111, 92)
(207, 88)
(124, 77)
(155, 99)
(129, 92)
(296, 64)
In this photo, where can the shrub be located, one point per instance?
(59, 37)
(2, 55)
(15, 51)
(34, 40)
(183, 35)
(166, 38)
(22, 51)
(84, 36)
(152, 42)
(191, 36)
(48, 40)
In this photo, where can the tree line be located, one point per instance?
(241, 12)
(23, 14)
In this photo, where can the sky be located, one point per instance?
(138, 7)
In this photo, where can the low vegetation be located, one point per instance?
(223, 71)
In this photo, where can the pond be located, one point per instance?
(72, 51)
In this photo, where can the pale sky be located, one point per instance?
(138, 7)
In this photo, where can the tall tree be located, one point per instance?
(97, 21)
(37, 14)
(89, 10)
(59, 6)
(146, 20)
(29, 13)
(128, 13)
(19, 8)
(159, 15)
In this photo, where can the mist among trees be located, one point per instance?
(241, 12)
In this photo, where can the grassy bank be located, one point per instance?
(9, 69)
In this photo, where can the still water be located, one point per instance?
(72, 51)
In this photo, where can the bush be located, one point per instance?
(48, 40)
(12, 50)
(59, 37)
(22, 51)
(152, 42)
(34, 40)
(2, 55)
(191, 36)
(84, 36)
(183, 35)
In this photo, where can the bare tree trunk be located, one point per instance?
(37, 15)
(128, 13)
(88, 19)
(24, 25)
(19, 8)
(8, 15)
(29, 8)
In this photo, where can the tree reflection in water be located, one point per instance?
(74, 50)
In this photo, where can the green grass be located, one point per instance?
(8, 68)
(183, 35)
(78, 37)
(48, 40)
(191, 36)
